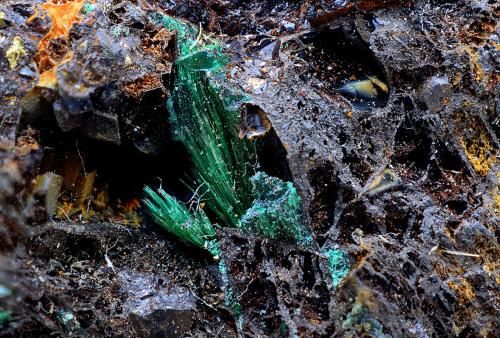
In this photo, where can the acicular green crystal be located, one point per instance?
(204, 117)
(190, 226)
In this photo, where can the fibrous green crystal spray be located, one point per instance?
(190, 226)
(204, 116)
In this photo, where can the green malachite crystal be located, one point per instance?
(338, 264)
(204, 114)
(205, 117)
(190, 226)
(275, 212)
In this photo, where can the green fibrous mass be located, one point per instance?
(204, 117)
(338, 264)
(275, 212)
(190, 226)
(204, 114)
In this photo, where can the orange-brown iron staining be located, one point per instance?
(52, 50)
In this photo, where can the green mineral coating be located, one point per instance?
(117, 31)
(204, 117)
(4, 316)
(230, 299)
(87, 8)
(339, 265)
(275, 212)
(190, 226)
(65, 316)
(283, 329)
(360, 323)
(68, 320)
(186, 33)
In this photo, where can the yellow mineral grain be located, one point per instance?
(15, 52)
(463, 289)
(2, 19)
(496, 201)
(475, 63)
(495, 196)
(480, 153)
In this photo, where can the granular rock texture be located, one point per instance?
(426, 247)
(383, 114)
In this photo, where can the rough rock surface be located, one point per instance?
(406, 182)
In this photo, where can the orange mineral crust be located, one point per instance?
(53, 49)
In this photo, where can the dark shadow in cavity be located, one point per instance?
(336, 59)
